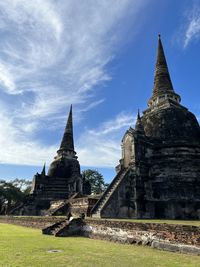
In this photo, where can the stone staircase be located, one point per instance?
(96, 211)
(65, 228)
(16, 209)
(60, 205)
(56, 206)
(55, 228)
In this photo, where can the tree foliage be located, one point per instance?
(23, 184)
(12, 193)
(95, 179)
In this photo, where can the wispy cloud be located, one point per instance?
(101, 146)
(52, 54)
(55, 50)
(16, 148)
(192, 28)
(98, 147)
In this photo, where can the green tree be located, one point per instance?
(23, 184)
(95, 179)
(12, 193)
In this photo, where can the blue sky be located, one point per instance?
(97, 55)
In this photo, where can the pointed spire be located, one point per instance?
(44, 170)
(138, 115)
(162, 80)
(67, 142)
(138, 125)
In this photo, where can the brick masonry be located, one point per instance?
(33, 222)
(184, 234)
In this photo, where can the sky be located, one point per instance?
(98, 56)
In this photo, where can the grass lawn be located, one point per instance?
(20, 246)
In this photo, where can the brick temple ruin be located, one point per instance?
(63, 178)
(52, 193)
(158, 175)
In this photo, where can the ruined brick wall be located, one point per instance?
(102, 229)
(82, 205)
(29, 221)
(173, 187)
(184, 234)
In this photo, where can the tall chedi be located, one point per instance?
(159, 172)
(63, 179)
(65, 164)
(166, 118)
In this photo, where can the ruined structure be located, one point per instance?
(62, 182)
(159, 173)
(63, 178)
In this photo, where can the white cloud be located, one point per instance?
(57, 49)
(16, 148)
(192, 29)
(52, 54)
(121, 121)
(100, 147)
(6, 79)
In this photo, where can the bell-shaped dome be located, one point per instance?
(65, 164)
(172, 123)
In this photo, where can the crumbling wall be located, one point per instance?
(177, 233)
(174, 238)
(171, 237)
(30, 221)
(173, 187)
(187, 234)
(82, 205)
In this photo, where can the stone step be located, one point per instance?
(96, 215)
(55, 230)
(56, 191)
(51, 229)
(56, 184)
(108, 194)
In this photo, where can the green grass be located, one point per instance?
(26, 247)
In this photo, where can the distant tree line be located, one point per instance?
(12, 193)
